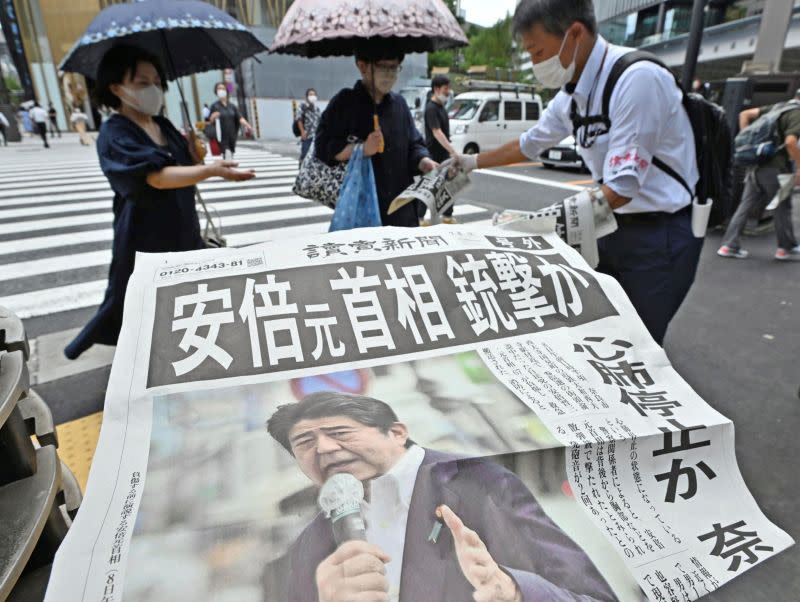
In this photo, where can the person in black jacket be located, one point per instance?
(349, 118)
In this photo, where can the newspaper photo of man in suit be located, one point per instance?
(437, 526)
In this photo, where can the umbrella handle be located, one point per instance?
(377, 126)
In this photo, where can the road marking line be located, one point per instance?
(529, 179)
(107, 216)
(74, 238)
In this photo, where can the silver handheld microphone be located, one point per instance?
(340, 499)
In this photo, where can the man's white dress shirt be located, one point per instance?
(386, 513)
(647, 119)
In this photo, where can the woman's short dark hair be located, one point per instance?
(120, 62)
(555, 16)
(439, 80)
(218, 84)
(310, 90)
(365, 410)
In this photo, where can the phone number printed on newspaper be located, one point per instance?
(251, 261)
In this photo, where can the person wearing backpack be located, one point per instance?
(768, 146)
(634, 134)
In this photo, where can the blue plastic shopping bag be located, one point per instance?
(357, 206)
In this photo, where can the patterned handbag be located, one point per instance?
(319, 181)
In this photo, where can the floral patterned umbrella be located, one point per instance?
(315, 28)
(188, 36)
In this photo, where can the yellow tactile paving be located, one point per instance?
(77, 441)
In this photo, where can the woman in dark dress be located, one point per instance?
(229, 120)
(152, 173)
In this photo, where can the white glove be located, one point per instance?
(427, 165)
(466, 163)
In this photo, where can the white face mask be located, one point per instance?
(222, 94)
(148, 100)
(384, 82)
(551, 73)
(312, 99)
(443, 98)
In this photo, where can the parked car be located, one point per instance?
(564, 154)
(484, 119)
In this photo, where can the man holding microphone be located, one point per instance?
(653, 254)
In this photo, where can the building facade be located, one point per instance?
(730, 34)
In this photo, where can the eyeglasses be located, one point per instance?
(387, 70)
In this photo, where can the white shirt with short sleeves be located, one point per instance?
(647, 119)
(38, 114)
(386, 513)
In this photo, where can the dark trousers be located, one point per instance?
(654, 257)
(41, 129)
(3, 134)
(54, 128)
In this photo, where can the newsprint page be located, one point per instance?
(474, 410)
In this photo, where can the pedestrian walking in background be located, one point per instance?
(349, 116)
(80, 121)
(307, 121)
(206, 112)
(25, 123)
(52, 117)
(437, 134)
(153, 174)
(39, 118)
(229, 119)
(761, 184)
(654, 253)
(3, 125)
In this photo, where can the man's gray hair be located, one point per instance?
(555, 16)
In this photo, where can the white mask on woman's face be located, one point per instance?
(147, 100)
(551, 73)
(312, 98)
(222, 93)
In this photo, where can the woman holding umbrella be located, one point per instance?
(397, 150)
(229, 120)
(152, 173)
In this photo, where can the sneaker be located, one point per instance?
(788, 255)
(449, 220)
(424, 222)
(726, 251)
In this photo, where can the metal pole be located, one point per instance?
(693, 45)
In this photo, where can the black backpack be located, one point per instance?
(295, 125)
(712, 137)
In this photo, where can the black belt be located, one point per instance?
(649, 217)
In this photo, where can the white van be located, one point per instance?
(483, 120)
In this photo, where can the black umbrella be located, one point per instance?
(188, 36)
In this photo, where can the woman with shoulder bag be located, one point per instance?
(153, 172)
(227, 115)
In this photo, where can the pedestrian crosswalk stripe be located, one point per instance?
(38, 192)
(105, 217)
(96, 176)
(231, 190)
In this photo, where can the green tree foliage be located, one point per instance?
(492, 46)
